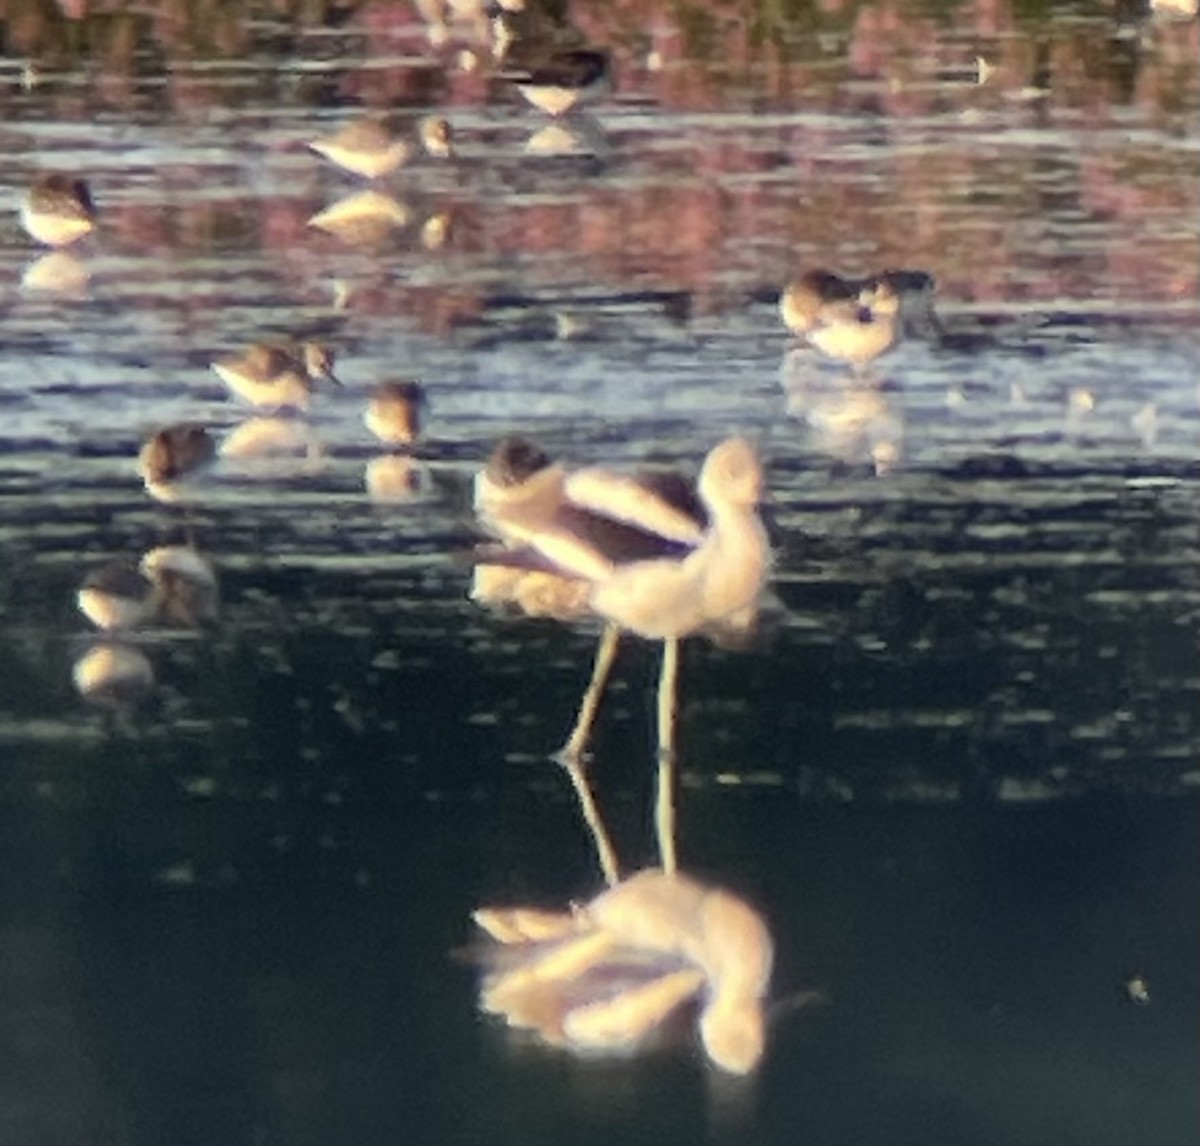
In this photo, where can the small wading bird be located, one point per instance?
(277, 376)
(558, 81)
(849, 327)
(863, 316)
(436, 136)
(364, 147)
(620, 548)
(171, 456)
(393, 414)
(57, 210)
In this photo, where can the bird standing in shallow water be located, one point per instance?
(172, 455)
(644, 565)
(393, 414)
(58, 210)
(277, 376)
(364, 147)
(557, 81)
(859, 332)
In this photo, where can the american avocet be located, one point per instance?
(58, 209)
(277, 376)
(647, 565)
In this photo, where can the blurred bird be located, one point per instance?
(603, 976)
(58, 210)
(649, 567)
(393, 414)
(364, 147)
(174, 454)
(277, 376)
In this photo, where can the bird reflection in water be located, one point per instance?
(273, 447)
(364, 219)
(855, 420)
(604, 976)
(113, 674)
(856, 321)
(58, 272)
(644, 554)
(173, 586)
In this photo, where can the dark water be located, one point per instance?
(959, 771)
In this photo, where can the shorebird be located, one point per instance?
(436, 136)
(813, 298)
(57, 210)
(556, 81)
(277, 376)
(173, 454)
(858, 331)
(393, 414)
(821, 298)
(645, 566)
(118, 596)
(363, 147)
(171, 582)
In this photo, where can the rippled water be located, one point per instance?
(958, 770)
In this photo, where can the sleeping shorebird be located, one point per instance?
(363, 147)
(118, 596)
(628, 554)
(171, 456)
(393, 414)
(821, 299)
(277, 376)
(57, 210)
(856, 330)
